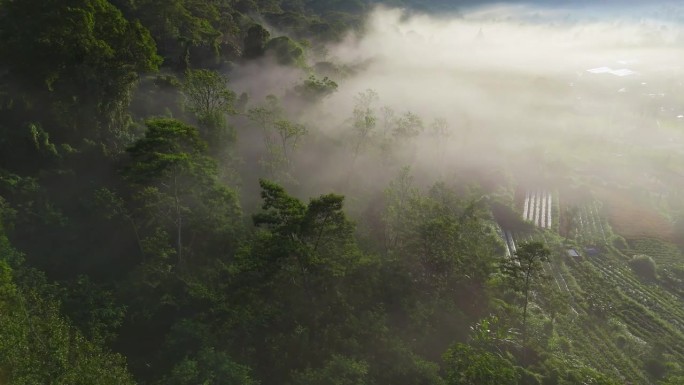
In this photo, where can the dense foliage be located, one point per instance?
(133, 248)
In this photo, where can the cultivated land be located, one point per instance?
(597, 205)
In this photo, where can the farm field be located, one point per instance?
(664, 253)
(632, 218)
(611, 313)
(537, 208)
(586, 225)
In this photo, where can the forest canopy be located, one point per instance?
(281, 192)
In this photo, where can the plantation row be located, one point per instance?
(650, 313)
(664, 253)
(589, 227)
(652, 297)
(647, 325)
(511, 243)
(591, 339)
(607, 302)
(609, 293)
(549, 267)
(537, 208)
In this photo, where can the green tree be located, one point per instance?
(314, 236)
(298, 277)
(37, 344)
(339, 370)
(313, 89)
(523, 269)
(255, 41)
(672, 380)
(93, 309)
(441, 134)
(441, 243)
(74, 64)
(209, 98)
(286, 51)
(189, 225)
(408, 126)
(492, 335)
(209, 367)
(281, 137)
(465, 365)
(364, 122)
(177, 186)
(289, 133)
(187, 32)
(404, 130)
(441, 236)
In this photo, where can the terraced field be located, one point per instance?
(607, 299)
(634, 219)
(588, 227)
(651, 297)
(663, 252)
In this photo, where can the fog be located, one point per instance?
(566, 98)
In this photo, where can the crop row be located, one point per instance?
(508, 241)
(667, 313)
(641, 322)
(650, 313)
(656, 300)
(649, 326)
(589, 226)
(537, 208)
(594, 341)
(660, 317)
(663, 252)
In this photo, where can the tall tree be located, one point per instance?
(73, 64)
(302, 263)
(523, 269)
(364, 121)
(471, 366)
(315, 236)
(188, 32)
(281, 138)
(177, 185)
(255, 41)
(441, 134)
(209, 98)
(289, 133)
(313, 89)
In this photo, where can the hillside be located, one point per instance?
(310, 192)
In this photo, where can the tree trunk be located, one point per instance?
(527, 296)
(179, 221)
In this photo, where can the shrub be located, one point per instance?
(644, 266)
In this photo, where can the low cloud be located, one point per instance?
(526, 89)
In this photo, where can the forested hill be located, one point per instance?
(159, 227)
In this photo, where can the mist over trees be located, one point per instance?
(338, 192)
